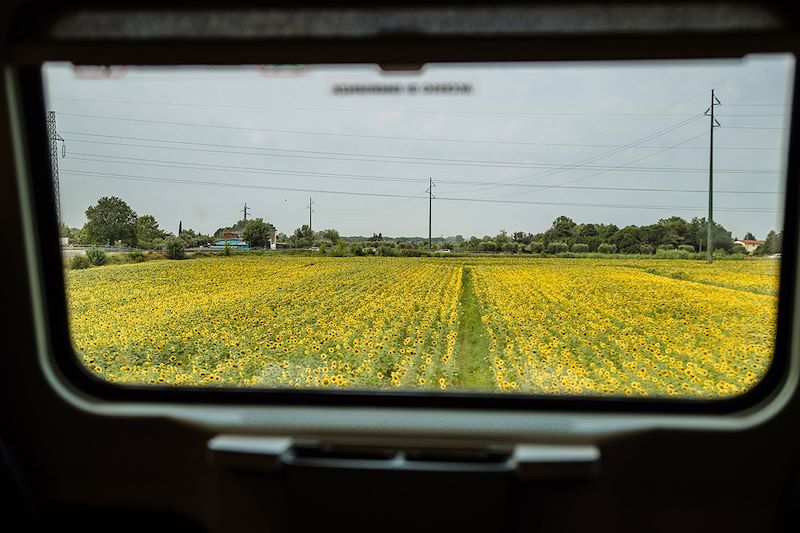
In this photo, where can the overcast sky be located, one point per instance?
(541, 140)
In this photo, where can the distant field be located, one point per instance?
(557, 326)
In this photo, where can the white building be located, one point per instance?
(750, 245)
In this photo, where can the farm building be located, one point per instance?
(234, 243)
(750, 245)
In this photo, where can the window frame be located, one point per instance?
(61, 353)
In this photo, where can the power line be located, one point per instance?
(410, 111)
(540, 175)
(321, 133)
(381, 110)
(626, 166)
(751, 128)
(380, 178)
(388, 158)
(390, 195)
(575, 145)
(532, 165)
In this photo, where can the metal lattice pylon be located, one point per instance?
(54, 139)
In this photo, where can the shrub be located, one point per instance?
(646, 249)
(580, 248)
(666, 247)
(487, 246)
(340, 250)
(135, 256)
(174, 249)
(96, 256)
(536, 247)
(738, 249)
(607, 248)
(387, 250)
(686, 248)
(416, 253)
(116, 259)
(557, 247)
(79, 262)
(678, 254)
(510, 247)
(226, 250)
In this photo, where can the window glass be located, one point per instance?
(511, 228)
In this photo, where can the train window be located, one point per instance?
(598, 229)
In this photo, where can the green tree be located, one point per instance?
(722, 239)
(557, 247)
(109, 221)
(749, 237)
(522, 237)
(173, 248)
(472, 244)
(147, 231)
(502, 238)
(772, 244)
(536, 247)
(487, 246)
(607, 248)
(329, 234)
(627, 240)
(561, 229)
(63, 230)
(81, 236)
(257, 233)
(96, 256)
(193, 240)
(303, 236)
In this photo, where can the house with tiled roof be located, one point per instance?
(750, 245)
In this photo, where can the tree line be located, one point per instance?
(112, 221)
(565, 235)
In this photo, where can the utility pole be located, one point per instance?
(245, 210)
(54, 138)
(431, 185)
(710, 221)
(310, 203)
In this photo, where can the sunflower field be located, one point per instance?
(532, 325)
